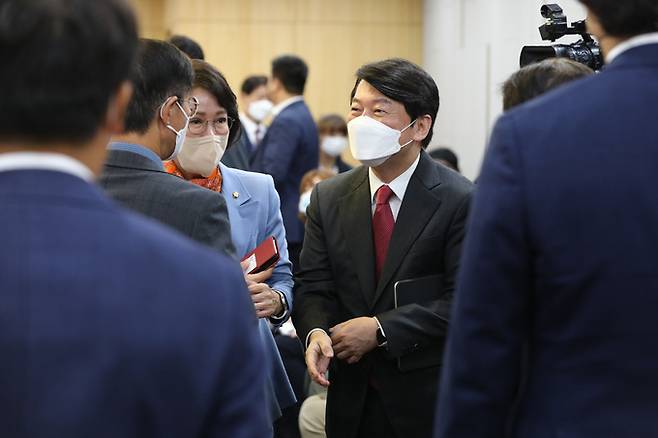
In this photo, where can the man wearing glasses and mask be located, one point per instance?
(156, 123)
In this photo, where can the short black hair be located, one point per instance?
(161, 71)
(62, 61)
(446, 155)
(188, 46)
(536, 79)
(404, 82)
(253, 82)
(625, 18)
(292, 71)
(212, 80)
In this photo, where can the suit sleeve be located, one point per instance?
(212, 226)
(482, 365)
(281, 279)
(412, 327)
(314, 285)
(240, 407)
(278, 149)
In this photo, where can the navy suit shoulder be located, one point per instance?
(559, 262)
(131, 325)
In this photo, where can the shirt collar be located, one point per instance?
(398, 185)
(285, 104)
(45, 161)
(640, 40)
(136, 149)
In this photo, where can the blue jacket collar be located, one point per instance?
(232, 185)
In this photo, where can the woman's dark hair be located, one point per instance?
(625, 18)
(536, 79)
(61, 62)
(162, 71)
(210, 79)
(188, 46)
(292, 71)
(253, 82)
(404, 82)
(332, 123)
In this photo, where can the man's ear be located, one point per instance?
(423, 125)
(115, 117)
(164, 113)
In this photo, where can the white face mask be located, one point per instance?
(180, 134)
(201, 155)
(372, 142)
(304, 201)
(260, 109)
(334, 145)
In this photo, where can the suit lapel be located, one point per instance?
(418, 207)
(356, 220)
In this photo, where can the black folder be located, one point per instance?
(420, 291)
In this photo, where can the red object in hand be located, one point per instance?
(263, 257)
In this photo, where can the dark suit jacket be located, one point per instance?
(337, 283)
(138, 184)
(238, 155)
(561, 256)
(289, 150)
(116, 326)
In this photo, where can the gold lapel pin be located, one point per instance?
(236, 195)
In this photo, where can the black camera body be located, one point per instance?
(586, 51)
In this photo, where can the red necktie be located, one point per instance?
(382, 226)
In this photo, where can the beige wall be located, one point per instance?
(240, 37)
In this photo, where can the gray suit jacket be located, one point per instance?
(138, 184)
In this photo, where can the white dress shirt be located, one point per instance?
(250, 128)
(399, 187)
(44, 161)
(637, 41)
(285, 104)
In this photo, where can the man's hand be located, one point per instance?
(318, 356)
(354, 338)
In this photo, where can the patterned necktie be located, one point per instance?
(382, 226)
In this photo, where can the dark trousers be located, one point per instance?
(374, 420)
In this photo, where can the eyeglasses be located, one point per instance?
(220, 125)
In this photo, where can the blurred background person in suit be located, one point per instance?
(253, 208)
(332, 130)
(156, 123)
(290, 146)
(446, 157)
(112, 325)
(558, 281)
(255, 109)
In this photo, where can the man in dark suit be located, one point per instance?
(112, 325)
(558, 290)
(156, 123)
(290, 147)
(401, 216)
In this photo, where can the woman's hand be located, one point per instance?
(266, 302)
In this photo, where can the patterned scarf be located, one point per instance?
(213, 182)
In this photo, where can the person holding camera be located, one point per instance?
(554, 319)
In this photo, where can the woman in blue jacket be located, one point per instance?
(253, 207)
